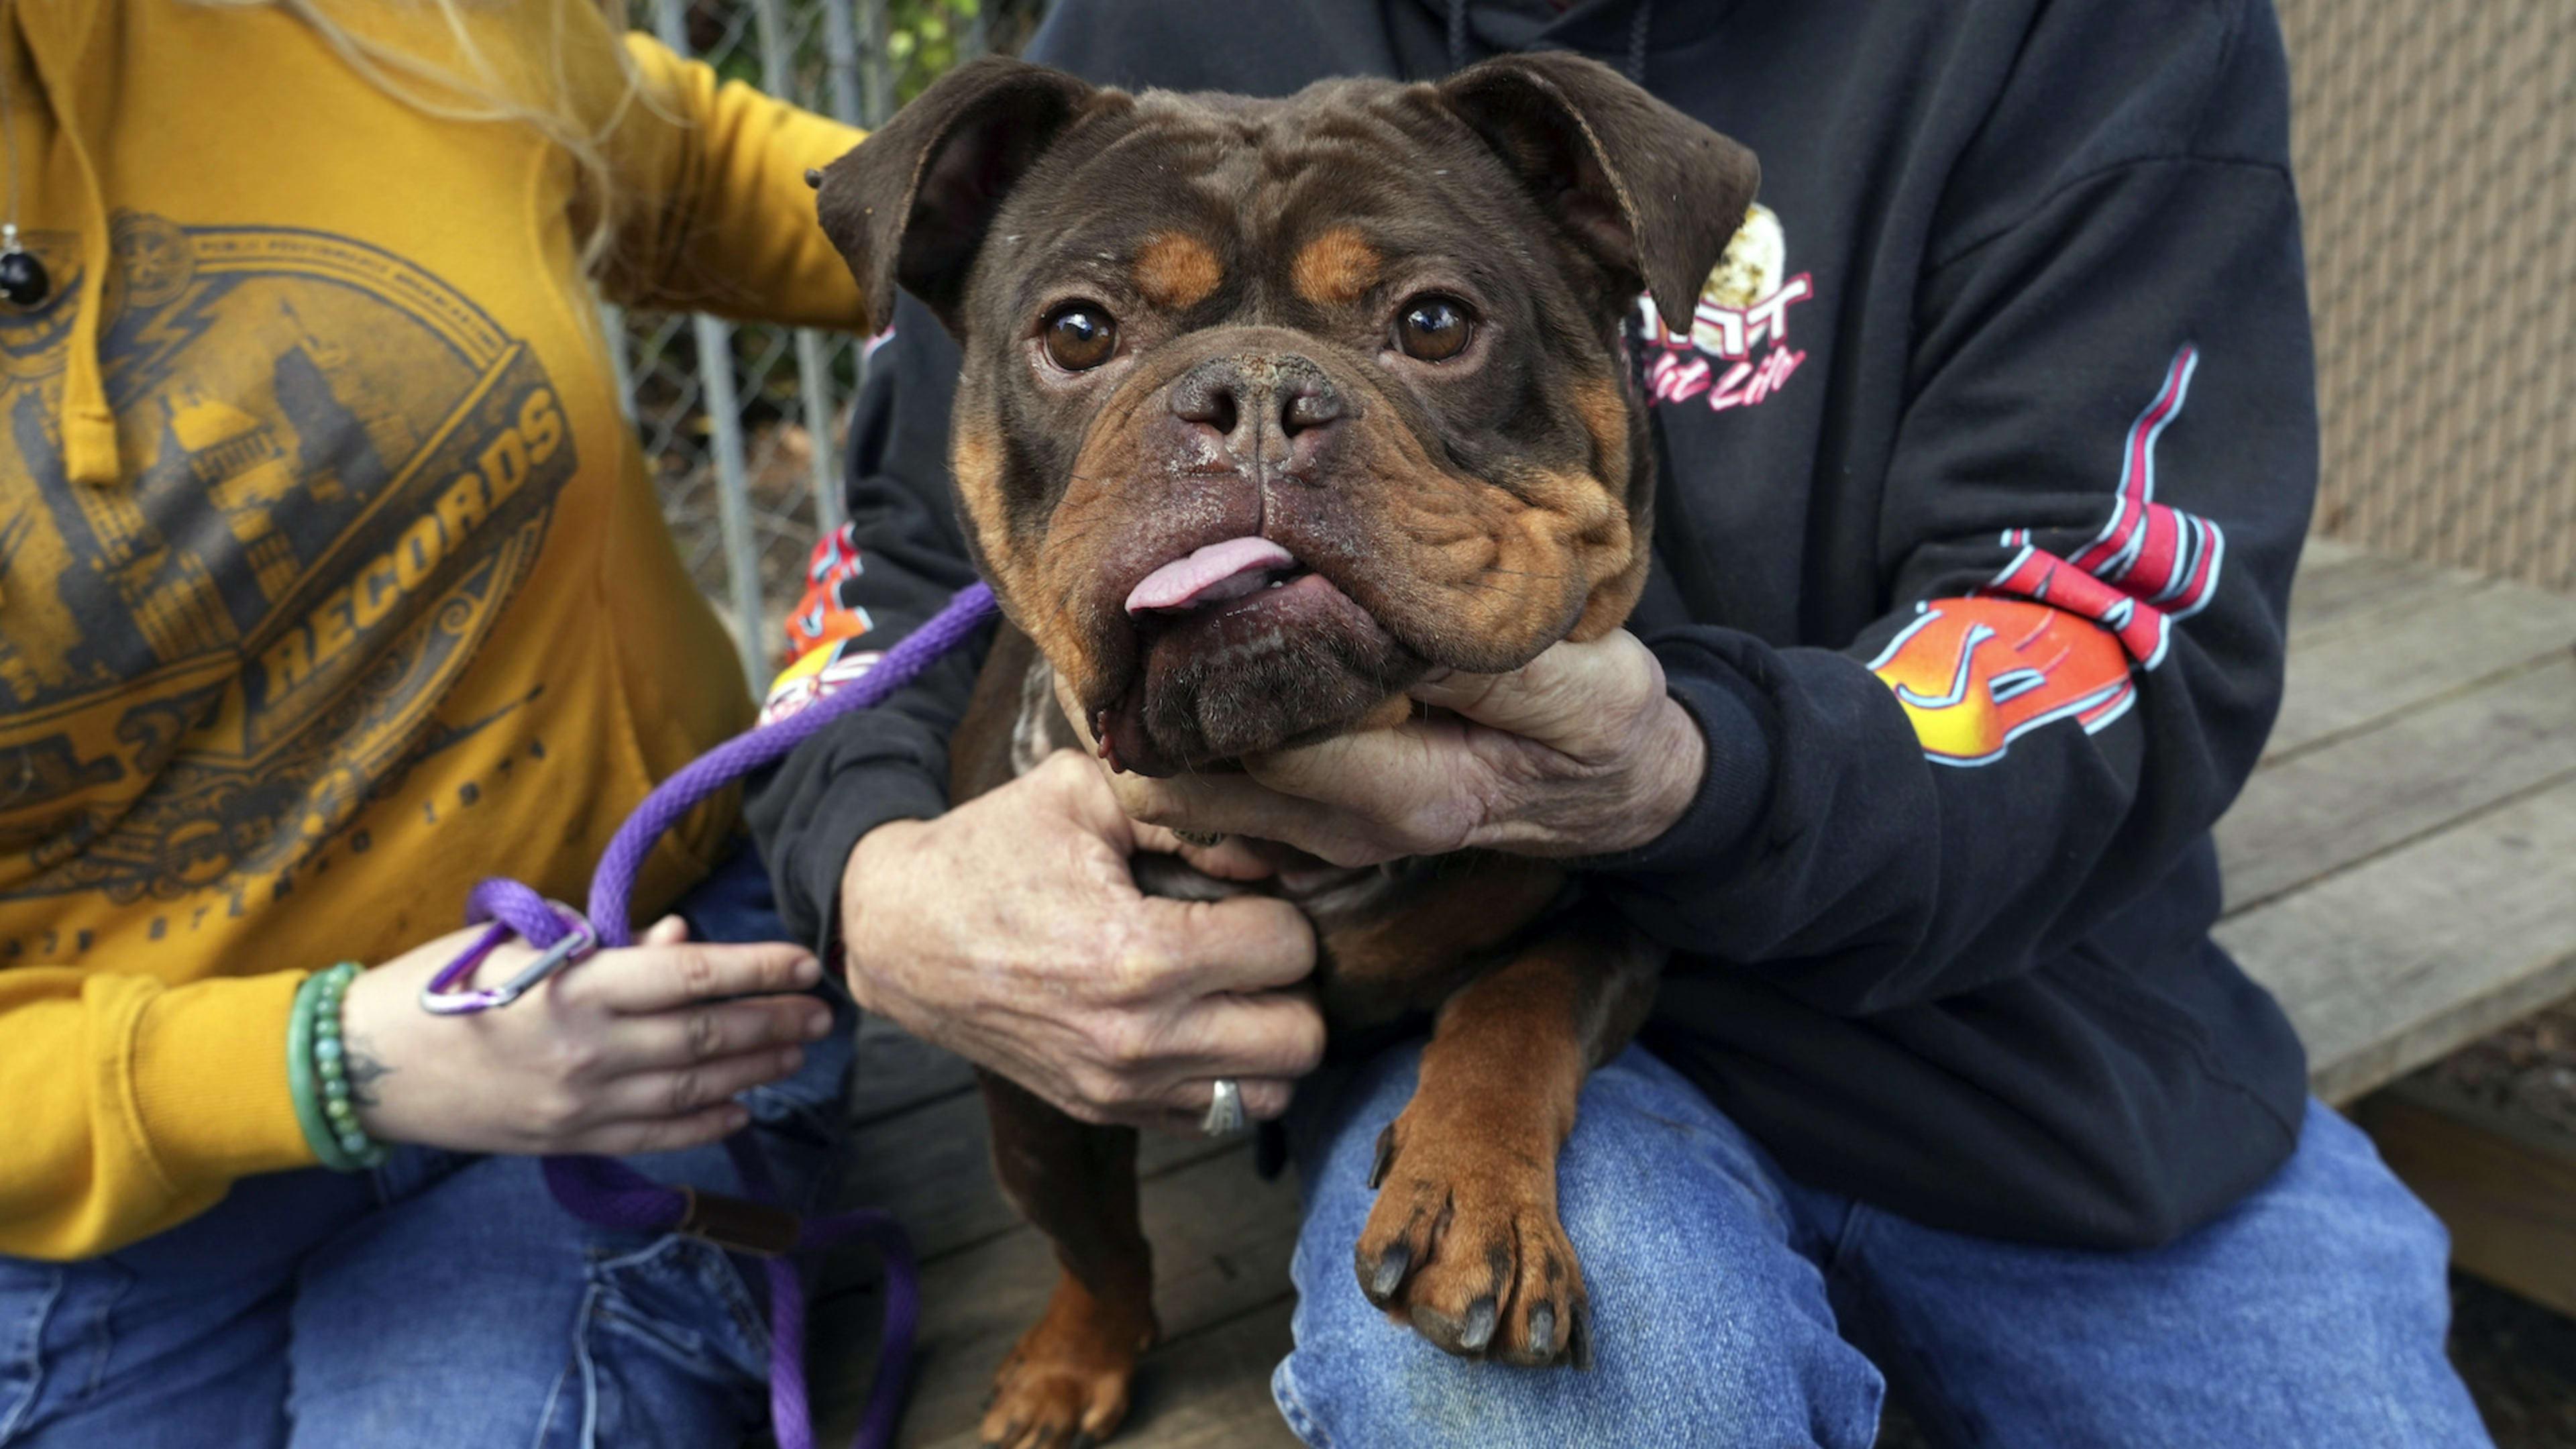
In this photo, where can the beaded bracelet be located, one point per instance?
(317, 1075)
(299, 1080)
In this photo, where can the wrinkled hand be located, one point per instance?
(1579, 752)
(633, 1050)
(1010, 931)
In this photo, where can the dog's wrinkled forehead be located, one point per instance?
(1231, 209)
(1552, 153)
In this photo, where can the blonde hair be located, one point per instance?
(541, 92)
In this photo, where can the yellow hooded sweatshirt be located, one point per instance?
(331, 578)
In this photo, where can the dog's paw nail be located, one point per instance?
(1390, 1272)
(1480, 1326)
(1578, 1338)
(1385, 1157)
(1542, 1330)
(814, 177)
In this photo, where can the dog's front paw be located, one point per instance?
(1065, 1385)
(1465, 1245)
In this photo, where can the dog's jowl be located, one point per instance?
(1268, 407)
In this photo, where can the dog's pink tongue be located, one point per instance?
(1214, 574)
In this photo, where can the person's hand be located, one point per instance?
(1579, 752)
(1009, 931)
(633, 1050)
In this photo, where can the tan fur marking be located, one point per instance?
(975, 461)
(1336, 268)
(1513, 570)
(1605, 418)
(1614, 592)
(1175, 270)
(1394, 710)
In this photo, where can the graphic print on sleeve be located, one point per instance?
(2055, 637)
(824, 630)
(337, 472)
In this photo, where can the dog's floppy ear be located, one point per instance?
(1653, 193)
(910, 205)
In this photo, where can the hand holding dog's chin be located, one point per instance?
(1580, 752)
(1010, 931)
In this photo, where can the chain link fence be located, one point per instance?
(2434, 141)
(745, 425)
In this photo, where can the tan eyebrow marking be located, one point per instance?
(1335, 268)
(1176, 270)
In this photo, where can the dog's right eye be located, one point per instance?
(1080, 336)
(1433, 327)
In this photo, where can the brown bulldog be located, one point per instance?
(1268, 408)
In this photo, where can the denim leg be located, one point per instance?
(176, 1342)
(2311, 1314)
(476, 1311)
(1710, 1326)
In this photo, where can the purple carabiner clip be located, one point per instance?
(575, 943)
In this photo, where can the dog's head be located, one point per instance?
(1268, 406)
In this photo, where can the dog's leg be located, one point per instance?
(1067, 1380)
(1464, 1241)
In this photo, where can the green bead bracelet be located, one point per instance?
(317, 1075)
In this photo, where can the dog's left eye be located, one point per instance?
(1433, 328)
(1080, 336)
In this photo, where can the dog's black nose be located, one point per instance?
(1240, 398)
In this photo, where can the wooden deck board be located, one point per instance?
(2350, 679)
(2401, 872)
(2389, 965)
(2340, 589)
(2506, 1188)
(2308, 817)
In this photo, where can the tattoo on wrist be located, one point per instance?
(363, 1068)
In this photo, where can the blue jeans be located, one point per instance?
(441, 1300)
(1732, 1306)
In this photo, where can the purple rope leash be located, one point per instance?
(607, 1193)
(614, 881)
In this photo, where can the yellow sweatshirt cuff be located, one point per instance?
(209, 1081)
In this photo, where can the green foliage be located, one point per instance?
(923, 39)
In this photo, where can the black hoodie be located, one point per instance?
(1986, 462)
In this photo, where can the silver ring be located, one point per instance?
(1225, 1109)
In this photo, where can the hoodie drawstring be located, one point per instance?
(89, 446)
